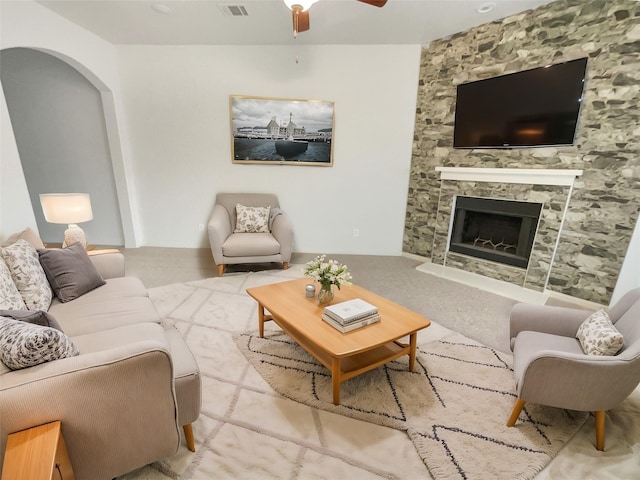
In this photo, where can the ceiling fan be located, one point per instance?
(300, 12)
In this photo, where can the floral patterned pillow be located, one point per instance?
(24, 344)
(598, 336)
(10, 298)
(252, 219)
(28, 275)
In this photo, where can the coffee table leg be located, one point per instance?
(412, 350)
(335, 380)
(261, 320)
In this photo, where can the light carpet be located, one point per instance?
(249, 431)
(453, 406)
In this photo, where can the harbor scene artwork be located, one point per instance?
(281, 131)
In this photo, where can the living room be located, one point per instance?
(171, 151)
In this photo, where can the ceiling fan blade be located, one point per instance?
(375, 3)
(303, 21)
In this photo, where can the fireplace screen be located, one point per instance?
(497, 230)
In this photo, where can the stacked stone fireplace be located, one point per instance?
(501, 223)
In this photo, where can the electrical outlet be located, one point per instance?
(356, 232)
(201, 227)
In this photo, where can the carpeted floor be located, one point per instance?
(247, 430)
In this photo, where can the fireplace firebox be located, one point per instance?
(497, 230)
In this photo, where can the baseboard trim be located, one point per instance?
(487, 284)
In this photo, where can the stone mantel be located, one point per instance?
(533, 176)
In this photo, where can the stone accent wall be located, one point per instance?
(604, 204)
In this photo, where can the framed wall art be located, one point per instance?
(281, 131)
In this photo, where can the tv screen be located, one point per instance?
(532, 108)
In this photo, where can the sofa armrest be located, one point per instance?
(282, 231)
(545, 319)
(117, 406)
(219, 229)
(110, 264)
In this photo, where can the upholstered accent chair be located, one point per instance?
(232, 244)
(550, 367)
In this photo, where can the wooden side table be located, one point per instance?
(38, 453)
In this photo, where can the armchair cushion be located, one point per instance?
(70, 271)
(25, 344)
(250, 244)
(252, 219)
(598, 336)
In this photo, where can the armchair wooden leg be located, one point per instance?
(285, 265)
(600, 429)
(221, 269)
(188, 435)
(515, 413)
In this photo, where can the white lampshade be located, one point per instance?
(305, 4)
(66, 207)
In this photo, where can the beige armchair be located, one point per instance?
(550, 367)
(228, 247)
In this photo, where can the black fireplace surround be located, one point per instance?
(497, 230)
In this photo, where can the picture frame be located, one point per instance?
(281, 131)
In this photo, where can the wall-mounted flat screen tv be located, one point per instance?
(531, 108)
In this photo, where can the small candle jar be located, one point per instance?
(310, 291)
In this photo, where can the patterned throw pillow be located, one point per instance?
(28, 275)
(10, 298)
(24, 344)
(252, 219)
(598, 336)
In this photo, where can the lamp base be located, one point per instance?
(74, 234)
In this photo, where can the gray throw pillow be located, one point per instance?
(24, 345)
(70, 271)
(37, 317)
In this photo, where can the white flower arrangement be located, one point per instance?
(327, 272)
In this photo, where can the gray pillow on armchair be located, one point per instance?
(70, 271)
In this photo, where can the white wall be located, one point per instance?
(177, 113)
(28, 24)
(629, 277)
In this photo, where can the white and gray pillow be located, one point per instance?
(10, 298)
(252, 219)
(28, 275)
(70, 271)
(598, 336)
(24, 345)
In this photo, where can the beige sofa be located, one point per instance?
(123, 400)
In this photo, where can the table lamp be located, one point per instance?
(69, 208)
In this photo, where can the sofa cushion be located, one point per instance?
(70, 271)
(250, 245)
(24, 344)
(37, 317)
(29, 235)
(28, 275)
(10, 298)
(252, 219)
(113, 338)
(598, 336)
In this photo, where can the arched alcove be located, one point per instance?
(64, 122)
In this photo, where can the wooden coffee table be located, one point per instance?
(346, 355)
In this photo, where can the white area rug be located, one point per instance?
(453, 406)
(247, 430)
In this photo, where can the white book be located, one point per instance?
(352, 326)
(351, 309)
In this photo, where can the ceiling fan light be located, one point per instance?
(305, 4)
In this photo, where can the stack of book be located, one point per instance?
(349, 315)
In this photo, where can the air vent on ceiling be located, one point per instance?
(234, 10)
